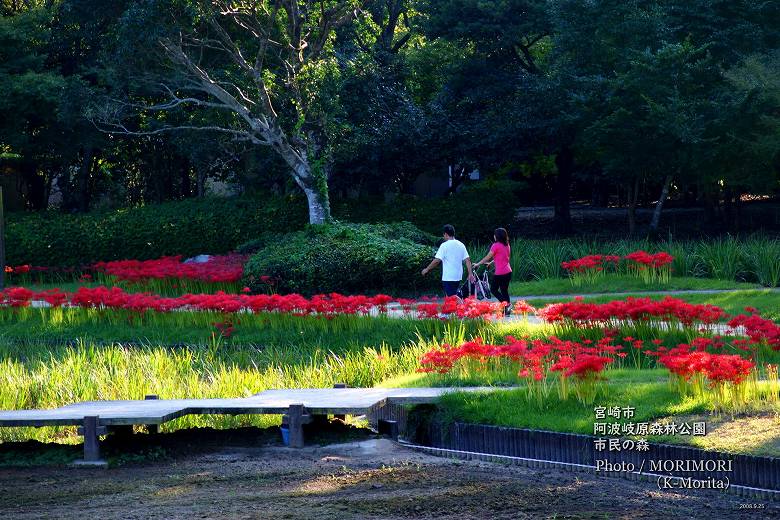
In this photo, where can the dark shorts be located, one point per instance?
(450, 288)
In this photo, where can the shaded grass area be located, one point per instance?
(621, 283)
(756, 432)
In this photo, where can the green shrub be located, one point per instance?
(219, 225)
(176, 228)
(253, 246)
(345, 258)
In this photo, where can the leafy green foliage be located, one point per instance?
(475, 211)
(344, 258)
(219, 225)
(176, 228)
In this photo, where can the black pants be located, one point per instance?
(500, 286)
(450, 288)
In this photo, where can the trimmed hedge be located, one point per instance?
(175, 228)
(220, 225)
(345, 258)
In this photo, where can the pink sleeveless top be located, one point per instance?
(501, 257)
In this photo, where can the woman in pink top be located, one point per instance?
(499, 253)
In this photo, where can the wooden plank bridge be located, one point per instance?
(298, 406)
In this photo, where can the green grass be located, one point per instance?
(50, 378)
(751, 259)
(173, 357)
(755, 433)
(612, 283)
(66, 286)
(733, 302)
(511, 408)
(53, 326)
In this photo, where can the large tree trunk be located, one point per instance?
(659, 206)
(319, 205)
(564, 162)
(313, 183)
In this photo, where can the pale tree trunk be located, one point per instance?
(296, 34)
(316, 193)
(319, 206)
(656, 220)
(314, 184)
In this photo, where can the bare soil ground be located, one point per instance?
(369, 479)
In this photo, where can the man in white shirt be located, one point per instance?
(451, 254)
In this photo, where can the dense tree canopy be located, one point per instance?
(603, 101)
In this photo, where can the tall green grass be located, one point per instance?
(750, 259)
(762, 258)
(52, 326)
(89, 372)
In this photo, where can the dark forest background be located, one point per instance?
(645, 106)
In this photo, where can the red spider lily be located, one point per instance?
(589, 268)
(759, 330)
(523, 307)
(587, 365)
(650, 267)
(590, 262)
(535, 357)
(716, 368)
(650, 260)
(16, 297)
(327, 305)
(19, 269)
(226, 328)
(218, 269)
(631, 309)
(54, 297)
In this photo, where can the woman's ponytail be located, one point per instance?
(502, 236)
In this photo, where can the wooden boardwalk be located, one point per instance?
(297, 405)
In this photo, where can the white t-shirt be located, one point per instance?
(452, 253)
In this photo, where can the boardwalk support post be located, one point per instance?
(387, 427)
(91, 430)
(152, 429)
(296, 417)
(342, 418)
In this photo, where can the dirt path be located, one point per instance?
(369, 479)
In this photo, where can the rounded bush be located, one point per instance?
(344, 258)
